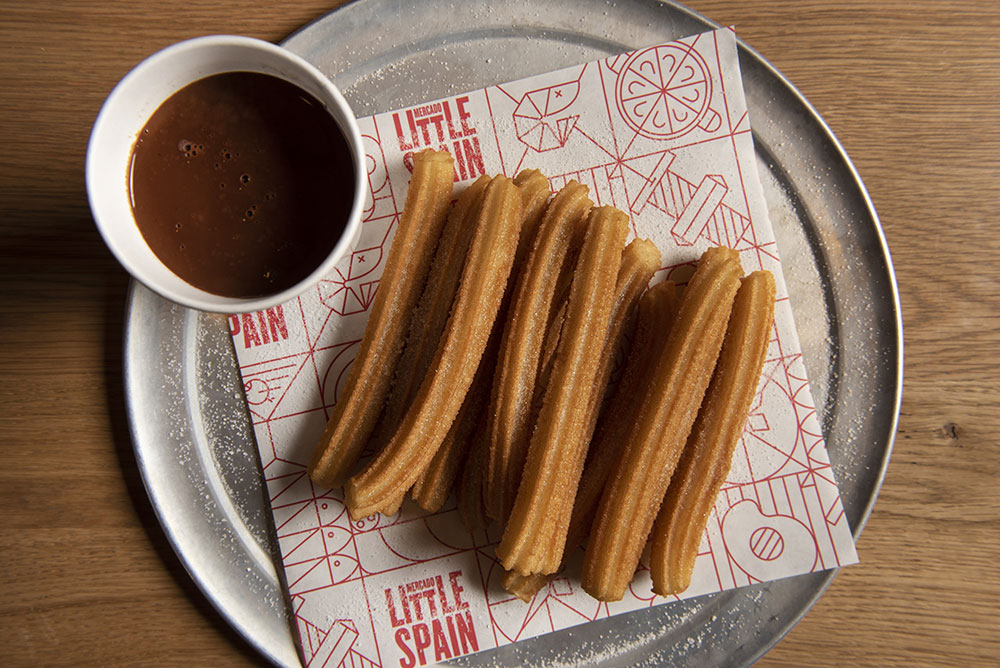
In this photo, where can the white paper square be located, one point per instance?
(663, 134)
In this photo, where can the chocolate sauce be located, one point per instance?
(241, 183)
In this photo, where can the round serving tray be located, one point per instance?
(192, 433)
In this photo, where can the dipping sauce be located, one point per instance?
(241, 183)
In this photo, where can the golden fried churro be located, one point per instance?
(381, 485)
(640, 260)
(535, 535)
(523, 586)
(360, 403)
(708, 454)
(431, 315)
(432, 488)
(470, 487)
(510, 418)
(633, 492)
(545, 362)
(434, 484)
(657, 308)
(535, 195)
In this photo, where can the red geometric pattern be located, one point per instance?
(663, 134)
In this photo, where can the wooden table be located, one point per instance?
(908, 87)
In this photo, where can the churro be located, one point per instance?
(535, 193)
(640, 260)
(545, 362)
(523, 586)
(432, 488)
(470, 487)
(381, 485)
(633, 492)
(657, 308)
(708, 454)
(510, 419)
(354, 415)
(535, 535)
(431, 315)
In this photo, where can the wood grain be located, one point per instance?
(86, 575)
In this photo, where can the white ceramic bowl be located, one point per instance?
(131, 104)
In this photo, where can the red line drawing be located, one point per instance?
(539, 119)
(699, 209)
(665, 90)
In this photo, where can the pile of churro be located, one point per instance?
(485, 370)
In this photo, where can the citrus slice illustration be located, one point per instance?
(663, 91)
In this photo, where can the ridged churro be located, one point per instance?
(431, 314)
(640, 260)
(633, 492)
(381, 485)
(524, 586)
(432, 488)
(657, 309)
(545, 363)
(535, 535)
(535, 195)
(708, 454)
(470, 486)
(354, 415)
(510, 419)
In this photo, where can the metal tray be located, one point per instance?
(192, 434)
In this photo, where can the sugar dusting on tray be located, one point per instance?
(661, 133)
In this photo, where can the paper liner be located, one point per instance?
(661, 133)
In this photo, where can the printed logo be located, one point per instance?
(430, 615)
(260, 327)
(445, 127)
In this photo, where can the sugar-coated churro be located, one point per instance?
(523, 586)
(545, 362)
(381, 485)
(432, 488)
(470, 486)
(510, 419)
(535, 535)
(657, 308)
(431, 314)
(633, 492)
(640, 260)
(535, 195)
(708, 454)
(354, 415)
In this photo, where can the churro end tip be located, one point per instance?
(321, 480)
(762, 275)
